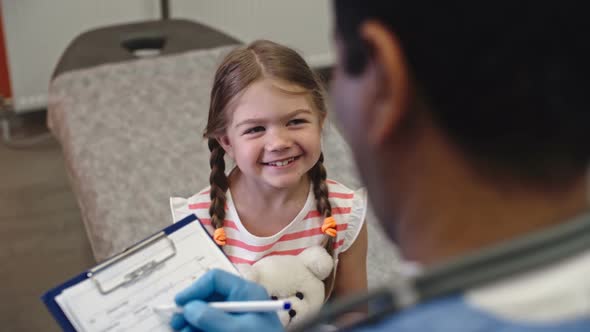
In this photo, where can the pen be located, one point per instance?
(238, 306)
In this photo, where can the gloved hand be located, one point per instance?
(218, 285)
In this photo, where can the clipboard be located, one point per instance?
(133, 265)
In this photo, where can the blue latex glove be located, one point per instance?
(217, 285)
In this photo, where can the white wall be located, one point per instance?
(37, 31)
(302, 24)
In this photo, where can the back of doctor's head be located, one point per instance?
(507, 80)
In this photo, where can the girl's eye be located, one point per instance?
(254, 130)
(297, 122)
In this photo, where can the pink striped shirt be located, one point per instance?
(348, 208)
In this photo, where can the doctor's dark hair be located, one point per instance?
(507, 81)
(240, 68)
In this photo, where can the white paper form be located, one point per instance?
(129, 308)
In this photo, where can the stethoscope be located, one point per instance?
(513, 257)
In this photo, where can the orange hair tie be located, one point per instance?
(329, 226)
(219, 236)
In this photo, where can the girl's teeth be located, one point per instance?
(282, 163)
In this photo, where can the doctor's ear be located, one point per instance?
(226, 145)
(388, 69)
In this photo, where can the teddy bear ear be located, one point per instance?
(318, 261)
(248, 272)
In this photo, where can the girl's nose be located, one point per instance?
(278, 140)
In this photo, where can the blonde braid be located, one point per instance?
(219, 184)
(318, 177)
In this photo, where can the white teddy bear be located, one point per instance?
(298, 279)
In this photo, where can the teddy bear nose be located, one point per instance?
(292, 313)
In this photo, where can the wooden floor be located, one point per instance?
(42, 239)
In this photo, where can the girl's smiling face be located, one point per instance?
(274, 134)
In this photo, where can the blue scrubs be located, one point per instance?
(455, 314)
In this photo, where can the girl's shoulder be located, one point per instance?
(341, 195)
(197, 204)
(349, 208)
(334, 185)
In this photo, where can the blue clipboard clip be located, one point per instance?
(108, 277)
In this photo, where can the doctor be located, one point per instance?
(470, 125)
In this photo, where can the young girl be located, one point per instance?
(266, 113)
